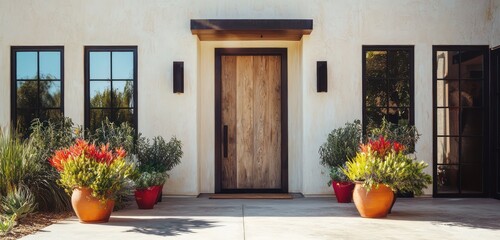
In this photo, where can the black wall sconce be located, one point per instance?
(321, 76)
(178, 77)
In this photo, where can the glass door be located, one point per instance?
(460, 86)
(495, 114)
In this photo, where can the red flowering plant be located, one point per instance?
(381, 147)
(381, 161)
(85, 165)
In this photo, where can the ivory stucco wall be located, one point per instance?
(495, 29)
(161, 30)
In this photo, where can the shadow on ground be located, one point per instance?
(161, 226)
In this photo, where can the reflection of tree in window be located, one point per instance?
(386, 84)
(122, 100)
(111, 85)
(38, 86)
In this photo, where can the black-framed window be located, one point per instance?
(388, 83)
(110, 85)
(460, 125)
(37, 79)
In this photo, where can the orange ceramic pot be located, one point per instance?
(88, 208)
(374, 203)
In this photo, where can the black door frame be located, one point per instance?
(495, 120)
(282, 52)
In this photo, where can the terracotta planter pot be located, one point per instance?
(375, 203)
(393, 201)
(343, 191)
(146, 198)
(89, 209)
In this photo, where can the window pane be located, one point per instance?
(447, 121)
(100, 65)
(447, 178)
(123, 65)
(472, 178)
(399, 64)
(123, 94)
(447, 64)
(447, 150)
(472, 150)
(374, 118)
(26, 65)
(472, 122)
(24, 118)
(376, 64)
(97, 116)
(471, 93)
(376, 92)
(50, 94)
(27, 94)
(100, 94)
(50, 114)
(50, 65)
(399, 93)
(472, 64)
(124, 115)
(447, 94)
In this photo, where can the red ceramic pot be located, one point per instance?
(343, 191)
(160, 193)
(146, 198)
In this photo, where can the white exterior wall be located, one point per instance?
(161, 30)
(495, 29)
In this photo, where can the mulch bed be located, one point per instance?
(35, 222)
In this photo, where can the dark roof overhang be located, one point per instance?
(251, 29)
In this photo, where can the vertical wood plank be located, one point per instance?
(229, 118)
(266, 168)
(274, 125)
(261, 161)
(244, 121)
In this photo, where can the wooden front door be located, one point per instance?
(250, 121)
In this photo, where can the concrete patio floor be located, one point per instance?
(300, 218)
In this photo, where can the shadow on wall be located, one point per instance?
(161, 226)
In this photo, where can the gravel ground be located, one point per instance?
(35, 222)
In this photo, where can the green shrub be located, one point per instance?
(146, 179)
(341, 145)
(116, 136)
(18, 202)
(47, 137)
(17, 161)
(158, 155)
(336, 174)
(7, 223)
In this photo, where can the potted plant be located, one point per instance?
(148, 186)
(379, 169)
(158, 156)
(340, 146)
(92, 175)
(403, 133)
